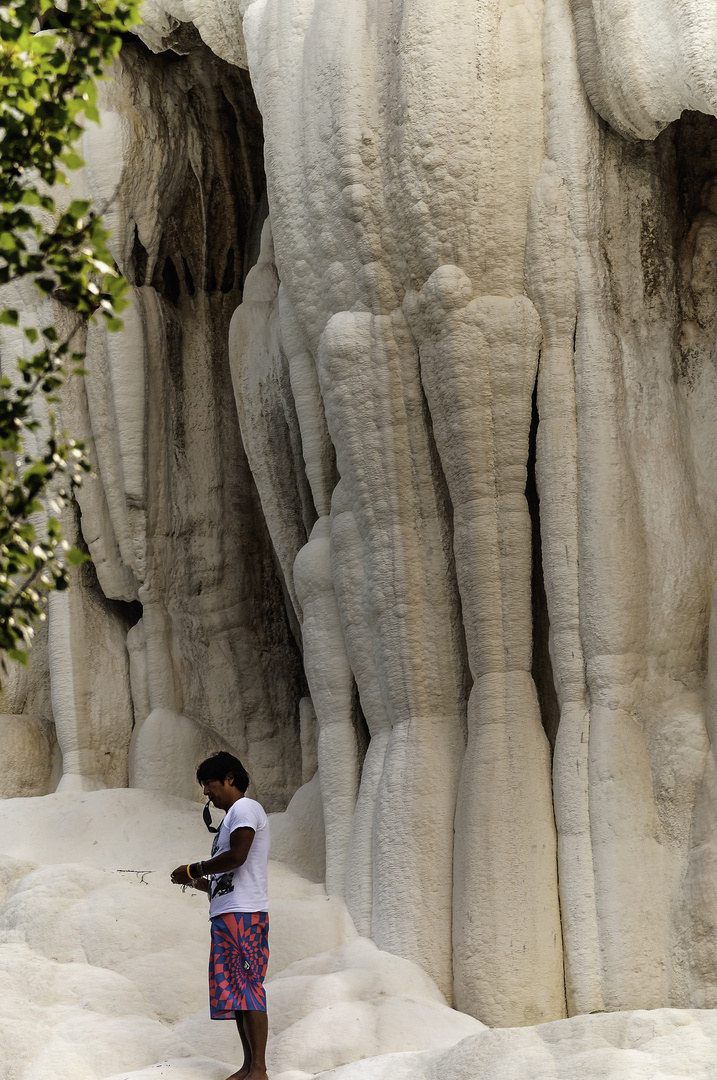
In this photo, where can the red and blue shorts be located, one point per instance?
(237, 963)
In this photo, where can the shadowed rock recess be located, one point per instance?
(406, 473)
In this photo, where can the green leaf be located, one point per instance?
(75, 557)
(19, 655)
(9, 317)
(77, 208)
(72, 160)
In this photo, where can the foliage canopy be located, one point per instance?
(51, 55)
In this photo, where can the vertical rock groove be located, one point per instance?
(542, 665)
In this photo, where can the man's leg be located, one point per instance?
(242, 1073)
(253, 1030)
(256, 1028)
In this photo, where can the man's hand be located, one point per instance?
(180, 876)
(240, 842)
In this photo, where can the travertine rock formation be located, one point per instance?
(177, 639)
(422, 436)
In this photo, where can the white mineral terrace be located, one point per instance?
(406, 493)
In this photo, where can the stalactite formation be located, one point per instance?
(406, 469)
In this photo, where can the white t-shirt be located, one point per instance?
(246, 888)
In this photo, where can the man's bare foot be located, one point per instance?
(240, 1075)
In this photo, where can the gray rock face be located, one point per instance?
(417, 429)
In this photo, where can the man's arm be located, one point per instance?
(240, 842)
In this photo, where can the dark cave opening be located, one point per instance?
(137, 269)
(361, 728)
(170, 282)
(542, 667)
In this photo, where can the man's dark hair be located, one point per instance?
(219, 766)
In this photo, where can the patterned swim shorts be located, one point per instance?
(237, 963)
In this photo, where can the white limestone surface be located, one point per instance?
(103, 961)
(220, 25)
(645, 61)
(659, 1045)
(102, 965)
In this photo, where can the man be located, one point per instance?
(236, 880)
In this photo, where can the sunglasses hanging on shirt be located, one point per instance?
(206, 814)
